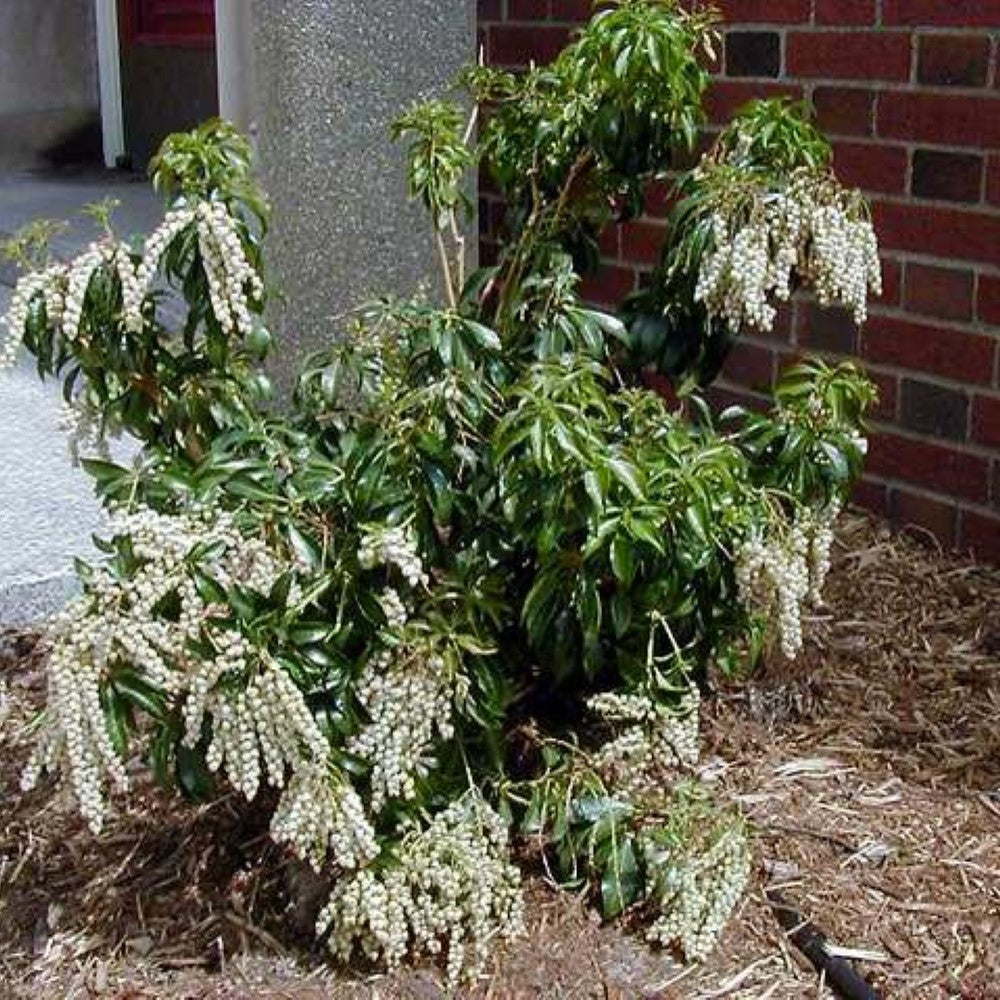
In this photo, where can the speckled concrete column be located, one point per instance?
(328, 78)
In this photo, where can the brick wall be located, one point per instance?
(909, 91)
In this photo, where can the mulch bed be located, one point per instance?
(869, 768)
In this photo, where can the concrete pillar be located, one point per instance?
(328, 77)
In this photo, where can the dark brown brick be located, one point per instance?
(934, 409)
(947, 176)
(844, 110)
(831, 329)
(939, 291)
(753, 53)
(953, 60)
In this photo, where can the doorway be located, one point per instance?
(168, 71)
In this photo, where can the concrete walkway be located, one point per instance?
(47, 508)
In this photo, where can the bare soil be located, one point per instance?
(869, 768)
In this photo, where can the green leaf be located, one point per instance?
(622, 559)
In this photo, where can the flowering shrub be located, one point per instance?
(474, 579)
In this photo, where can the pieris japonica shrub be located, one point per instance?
(463, 594)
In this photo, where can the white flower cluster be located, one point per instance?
(81, 423)
(232, 281)
(451, 888)
(116, 621)
(395, 546)
(158, 242)
(408, 693)
(322, 816)
(657, 736)
(696, 891)
(814, 229)
(781, 573)
(49, 283)
(6, 705)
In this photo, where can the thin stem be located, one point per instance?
(449, 287)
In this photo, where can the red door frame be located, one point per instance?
(167, 22)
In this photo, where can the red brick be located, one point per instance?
(942, 119)
(934, 466)
(918, 510)
(939, 291)
(849, 55)
(611, 242)
(660, 198)
(943, 13)
(642, 241)
(725, 97)
(845, 11)
(951, 353)
(953, 60)
(845, 110)
(940, 231)
(988, 300)
(892, 282)
(609, 286)
(573, 11)
(986, 420)
(981, 534)
(527, 10)
(764, 11)
(870, 495)
(872, 167)
(750, 365)
(517, 45)
(993, 180)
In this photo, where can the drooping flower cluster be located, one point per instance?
(117, 622)
(82, 426)
(814, 230)
(779, 573)
(50, 284)
(450, 888)
(408, 691)
(656, 736)
(232, 281)
(158, 242)
(696, 879)
(393, 546)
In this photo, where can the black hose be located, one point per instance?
(838, 973)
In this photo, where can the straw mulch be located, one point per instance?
(870, 770)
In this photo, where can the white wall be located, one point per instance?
(48, 77)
